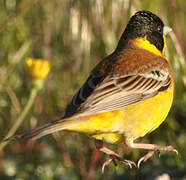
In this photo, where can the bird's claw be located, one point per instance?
(106, 163)
(145, 157)
(114, 158)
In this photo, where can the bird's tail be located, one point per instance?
(54, 126)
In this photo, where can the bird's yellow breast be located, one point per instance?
(129, 122)
(147, 115)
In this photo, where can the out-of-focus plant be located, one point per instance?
(38, 70)
(76, 35)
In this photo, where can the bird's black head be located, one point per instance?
(144, 24)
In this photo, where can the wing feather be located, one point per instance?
(115, 92)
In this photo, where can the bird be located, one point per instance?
(127, 95)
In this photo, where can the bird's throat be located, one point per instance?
(145, 44)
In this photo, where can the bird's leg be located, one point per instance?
(113, 156)
(152, 148)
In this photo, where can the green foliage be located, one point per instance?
(74, 36)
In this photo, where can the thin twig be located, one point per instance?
(20, 118)
(14, 99)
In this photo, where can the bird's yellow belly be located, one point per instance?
(129, 122)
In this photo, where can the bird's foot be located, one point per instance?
(114, 157)
(156, 149)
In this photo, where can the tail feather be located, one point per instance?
(54, 126)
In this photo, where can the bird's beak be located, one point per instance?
(166, 30)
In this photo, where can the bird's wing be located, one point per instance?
(100, 94)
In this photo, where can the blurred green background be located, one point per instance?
(75, 35)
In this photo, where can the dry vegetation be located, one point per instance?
(75, 35)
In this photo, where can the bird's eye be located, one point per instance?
(159, 29)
